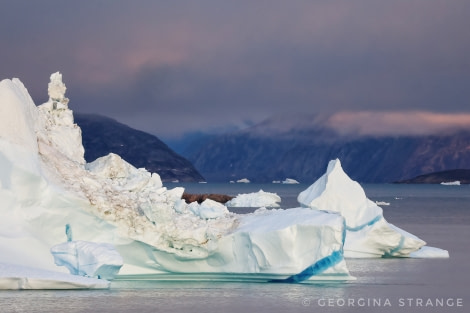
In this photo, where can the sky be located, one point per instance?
(173, 67)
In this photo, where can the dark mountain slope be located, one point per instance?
(102, 135)
(263, 154)
(462, 175)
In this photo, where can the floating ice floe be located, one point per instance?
(118, 210)
(368, 234)
(290, 181)
(255, 200)
(452, 183)
(383, 203)
(243, 181)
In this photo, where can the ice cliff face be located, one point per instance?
(46, 185)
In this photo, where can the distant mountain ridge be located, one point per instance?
(102, 135)
(461, 175)
(301, 151)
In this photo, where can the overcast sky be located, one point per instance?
(170, 67)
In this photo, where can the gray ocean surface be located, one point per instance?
(440, 215)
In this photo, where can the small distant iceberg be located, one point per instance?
(276, 181)
(244, 181)
(208, 209)
(290, 181)
(255, 199)
(383, 203)
(452, 183)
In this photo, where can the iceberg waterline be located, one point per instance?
(46, 184)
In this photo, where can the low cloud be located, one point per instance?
(397, 123)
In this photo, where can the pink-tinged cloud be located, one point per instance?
(397, 123)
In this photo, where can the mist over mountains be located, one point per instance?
(300, 146)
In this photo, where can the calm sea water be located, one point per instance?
(438, 214)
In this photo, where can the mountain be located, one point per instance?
(300, 148)
(461, 175)
(102, 135)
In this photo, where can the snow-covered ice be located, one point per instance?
(255, 199)
(119, 210)
(368, 234)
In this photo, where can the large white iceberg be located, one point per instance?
(255, 200)
(45, 185)
(368, 234)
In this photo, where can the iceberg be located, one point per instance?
(382, 203)
(290, 181)
(255, 200)
(243, 181)
(368, 234)
(451, 183)
(208, 209)
(125, 223)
